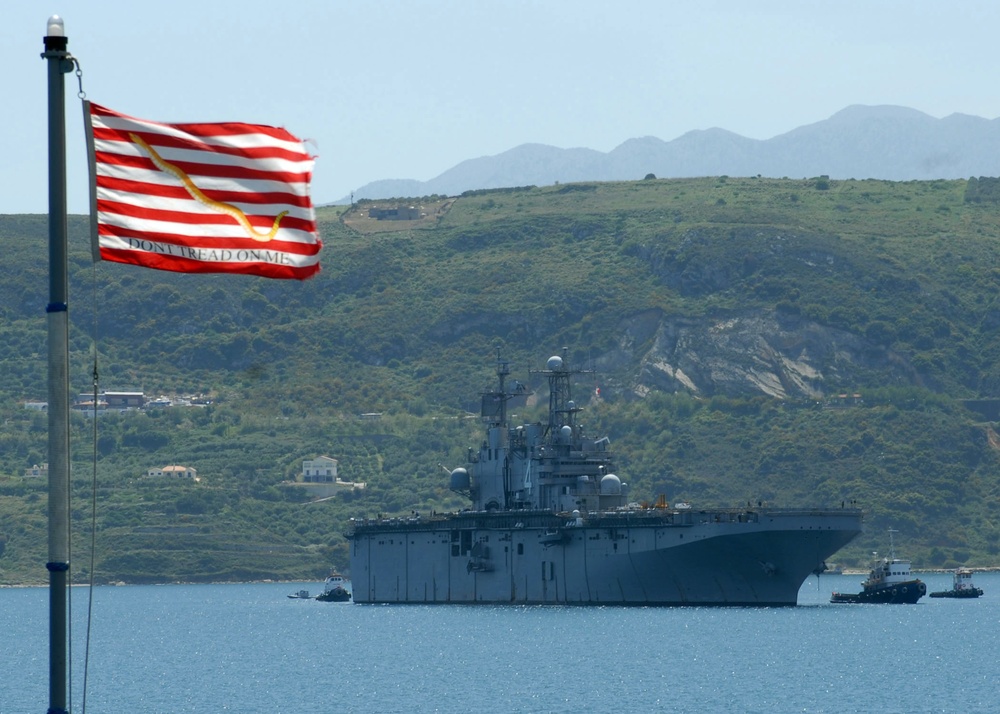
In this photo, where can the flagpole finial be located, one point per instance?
(55, 27)
(55, 37)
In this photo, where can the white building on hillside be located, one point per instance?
(322, 469)
(174, 472)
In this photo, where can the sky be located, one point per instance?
(408, 89)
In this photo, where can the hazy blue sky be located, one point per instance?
(409, 89)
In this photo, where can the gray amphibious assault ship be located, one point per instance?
(550, 522)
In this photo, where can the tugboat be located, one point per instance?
(962, 586)
(888, 582)
(334, 590)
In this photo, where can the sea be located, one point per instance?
(250, 648)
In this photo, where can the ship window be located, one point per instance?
(520, 548)
(454, 550)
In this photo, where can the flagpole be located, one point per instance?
(59, 63)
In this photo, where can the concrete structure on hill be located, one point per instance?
(124, 400)
(319, 477)
(322, 469)
(174, 472)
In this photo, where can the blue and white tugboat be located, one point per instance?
(962, 586)
(889, 582)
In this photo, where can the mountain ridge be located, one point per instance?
(886, 142)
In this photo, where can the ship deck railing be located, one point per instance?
(606, 519)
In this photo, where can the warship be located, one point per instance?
(551, 523)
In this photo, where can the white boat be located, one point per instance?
(962, 586)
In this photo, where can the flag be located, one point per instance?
(201, 198)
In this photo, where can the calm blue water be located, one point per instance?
(248, 648)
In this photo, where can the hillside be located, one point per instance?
(723, 317)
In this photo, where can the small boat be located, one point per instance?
(301, 595)
(334, 590)
(961, 586)
(888, 582)
(337, 594)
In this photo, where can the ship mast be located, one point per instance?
(493, 411)
(562, 408)
(560, 412)
(503, 370)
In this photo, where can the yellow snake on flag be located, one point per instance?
(197, 195)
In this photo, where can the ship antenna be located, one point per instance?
(494, 404)
(892, 547)
(503, 369)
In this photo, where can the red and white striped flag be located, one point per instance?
(201, 198)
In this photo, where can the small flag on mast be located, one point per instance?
(201, 198)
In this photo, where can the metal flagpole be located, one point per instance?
(59, 63)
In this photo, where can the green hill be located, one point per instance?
(793, 341)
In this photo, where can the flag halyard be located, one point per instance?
(203, 198)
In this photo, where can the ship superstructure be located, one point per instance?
(550, 522)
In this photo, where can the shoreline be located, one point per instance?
(121, 583)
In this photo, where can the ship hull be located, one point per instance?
(679, 558)
(896, 594)
(963, 593)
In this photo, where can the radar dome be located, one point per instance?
(611, 485)
(567, 432)
(460, 480)
(571, 404)
(554, 364)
